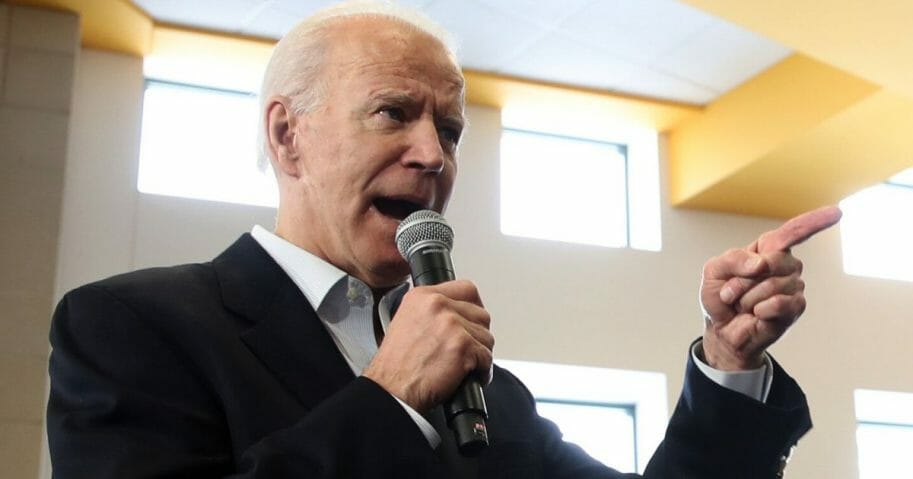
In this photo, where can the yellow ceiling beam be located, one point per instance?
(812, 130)
(755, 119)
(857, 147)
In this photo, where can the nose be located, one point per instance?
(425, 151)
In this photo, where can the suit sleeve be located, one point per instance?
(719, 433)
(714, 433)
(126, 402)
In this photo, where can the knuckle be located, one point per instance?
(464, 285)
(456, 345)
(413, 294)
(744, 284)
(471, 292)
(485, 356)
(712, 266)
(437, 302)
(781, 303)
(484, 319)
(707, 271)
(488, 340)
(450, 323)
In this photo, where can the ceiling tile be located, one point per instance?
(282, 15)
(721, 57)
(559, 59)
(656, 84)
(220, 15)
(543, 14)
(562, 60)
(635, 29)
(276, 21)
(486, 37)
(299, 8)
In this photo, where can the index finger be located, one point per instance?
(459, 290)
(799, 229)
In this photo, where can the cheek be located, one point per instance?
(445, 186)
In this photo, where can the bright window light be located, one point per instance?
(903, 178)
(570, 181)
(605, 431)
(564, 189)
(201, 143)
(884, 433)
(617, 416)
(876, 244)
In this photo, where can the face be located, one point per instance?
(381, 145)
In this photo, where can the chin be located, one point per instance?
(388, 273)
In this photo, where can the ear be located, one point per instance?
(280, 126)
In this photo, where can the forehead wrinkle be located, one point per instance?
(448, 101)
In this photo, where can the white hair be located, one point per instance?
(295, 67)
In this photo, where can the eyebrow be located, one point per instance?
(398, 97)
(393, 96)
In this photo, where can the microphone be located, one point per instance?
(425, 239)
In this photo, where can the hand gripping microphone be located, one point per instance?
(424, 239)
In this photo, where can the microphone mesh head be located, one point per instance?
(423, 227)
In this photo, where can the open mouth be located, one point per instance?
(396, 208)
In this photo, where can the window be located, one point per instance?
(884, 433)
(875, 231)
(617, 416)
(588, 187)
(201, 143)
(605, 431)
(551, 184)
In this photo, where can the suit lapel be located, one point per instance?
(285, 333)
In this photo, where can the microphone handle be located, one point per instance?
(465, 411)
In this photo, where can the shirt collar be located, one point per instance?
(316, 278)
(313, 276)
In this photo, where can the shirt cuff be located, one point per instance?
(434, 439)
(754, 383)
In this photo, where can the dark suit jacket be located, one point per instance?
(223, 370)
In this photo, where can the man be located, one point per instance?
(302, 354)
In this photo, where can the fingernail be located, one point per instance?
(727, 294)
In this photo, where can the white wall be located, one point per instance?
(550, 301)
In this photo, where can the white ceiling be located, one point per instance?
(655, 48)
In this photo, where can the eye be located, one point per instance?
(449, 135)
(393, 112)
